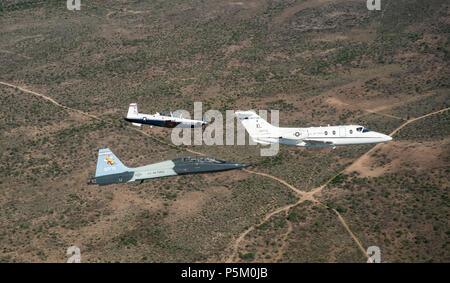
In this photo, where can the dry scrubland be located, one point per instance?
(318, 62)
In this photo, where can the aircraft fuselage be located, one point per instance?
(164, 121)
(324, 136)
(110, 170)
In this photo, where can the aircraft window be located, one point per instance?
(334, 132)
(351, 131)
(326, 133)
(366, 130)
(359, 129)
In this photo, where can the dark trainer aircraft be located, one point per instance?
(160, 119)
(111, 171)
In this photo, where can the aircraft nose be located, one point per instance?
(383, 137)
(387, 138)
(242, 165)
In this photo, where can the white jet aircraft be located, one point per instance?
(160, 119)
(264, 133)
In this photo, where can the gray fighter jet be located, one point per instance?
(111, 171)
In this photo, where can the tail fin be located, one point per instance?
(133, 113)
(256, 126)
(108, 163)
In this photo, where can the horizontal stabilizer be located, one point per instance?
(263, 142)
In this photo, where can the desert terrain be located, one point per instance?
(67, 77)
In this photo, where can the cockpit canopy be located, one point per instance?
(362, 129)
(165, 113)
(202, 159)
(170, 114)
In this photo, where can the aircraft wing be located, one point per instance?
(309, 142)
(265, 140)
(317, 142)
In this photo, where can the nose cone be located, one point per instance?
(242, 165)
(386, 138)
(381, 137)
